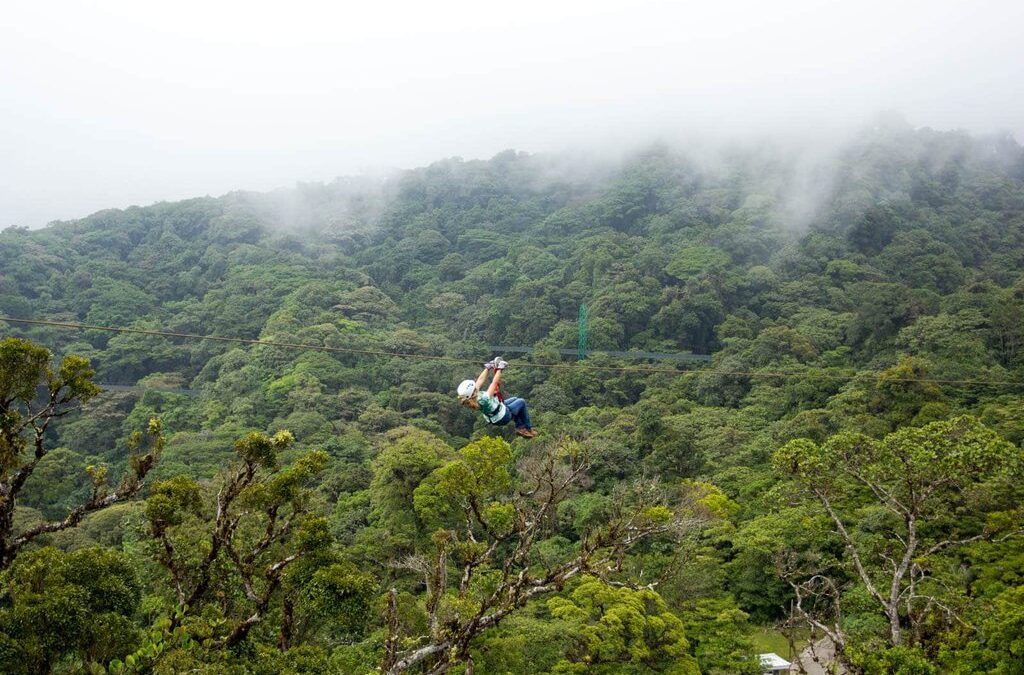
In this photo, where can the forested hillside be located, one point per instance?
(845, 470)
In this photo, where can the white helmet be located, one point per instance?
(466, 388)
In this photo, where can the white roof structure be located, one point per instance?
(772, 662)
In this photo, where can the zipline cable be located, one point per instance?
(449, 359)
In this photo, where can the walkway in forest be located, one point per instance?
(141, 389)
(661, 356)
(674, 370)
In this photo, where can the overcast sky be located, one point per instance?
(108, 104)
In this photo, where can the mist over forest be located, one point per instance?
(117, 104)
(455, 338)
(838, 483)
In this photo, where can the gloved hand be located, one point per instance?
(490, 364)
(500, 364)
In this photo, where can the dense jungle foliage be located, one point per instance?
(844, 475)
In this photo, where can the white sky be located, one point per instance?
(107, 104)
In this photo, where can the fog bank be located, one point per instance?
(119, 103)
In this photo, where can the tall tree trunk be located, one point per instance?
(892, 607)
(287, 623)
(895, 632)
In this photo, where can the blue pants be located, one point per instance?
(517, 413)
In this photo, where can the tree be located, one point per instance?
(25, 417)
(409, 456)
(617, 626)
(491, 518)
(997, 646)
(55, 604)
(882, 309)
(898, 504)
(692, 261)
(232, 556)
(1007, 327)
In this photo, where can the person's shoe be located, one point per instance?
(526, 433)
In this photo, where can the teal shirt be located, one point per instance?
(490, 407)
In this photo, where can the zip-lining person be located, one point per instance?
(495, 409)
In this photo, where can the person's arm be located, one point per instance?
(481, 379)
(494, 383)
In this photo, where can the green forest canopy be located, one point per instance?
(316, 512)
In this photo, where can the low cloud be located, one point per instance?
(124, 103)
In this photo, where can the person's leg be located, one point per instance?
(520, 415)
(526, 416)
(514, 404)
